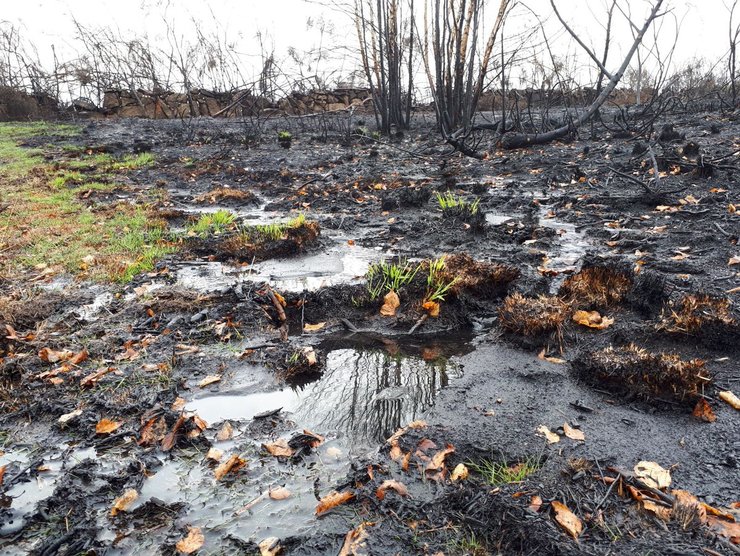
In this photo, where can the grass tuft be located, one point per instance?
(500, 473)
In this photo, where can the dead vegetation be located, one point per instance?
(596, 287)
(533, 316)
(633, 370)
(477, 277)
(698, 315)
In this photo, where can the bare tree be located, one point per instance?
(734, 35)
(516, 140)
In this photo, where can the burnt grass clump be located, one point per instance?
(635, 371)
(596, 287)
(256, 247)
(479, 278)
(700, 315)
(533, 316)
(405, 197)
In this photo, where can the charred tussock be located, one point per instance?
(533, 316)
(247, 248)
(649, 376)
(596, 287)
(481, 279)
(227, 196)
(700, 315)
(405, 197)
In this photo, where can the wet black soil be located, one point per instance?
(240, 350)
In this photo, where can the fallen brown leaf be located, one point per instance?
(225, 432)
(391, 303)
(573, 434)
(214, 454)
(730, 398)
(231, 465)
(332, 500)
(279, 448)
(192, 542)
(67, 417)
(106, 426)
(703, 411)
(652, 474)
(400, 488)
(661, 511)
(93, 378)
(313, 327)
(437, 464)
(558, 360)
(432, 308)
(153, 431)
(123, 502)
(280, 493)
(551, 437)
(270, 546)
(535, 503)
(592, 319)
(460, 473)
(354, 541)
(170, 439)
(567, 519)
(210, 379)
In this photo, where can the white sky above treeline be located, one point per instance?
(284, 24)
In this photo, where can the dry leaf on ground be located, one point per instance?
(279, 448)
(231, 465)
(432, 308)
(192, 542)
(703, 411)
(225, 432)
(332, 500)
(153, 431)
(400, 488)
(592, 319)
(438, 460)
(661, 511)
(653, 475)
(270, 547)
(391, 303)
(573, 434)
(551, 437)
(280, 493)
(106, 426)
(123, 502)
(535, 503)
(67, 417)
(313, 327)
(567, 519)
(210, 379)
(557, 360)
(214, 454)
(460, 473)
(730, 398)
(354, 541)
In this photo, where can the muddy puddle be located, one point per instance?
(365, 393)
(339, 264)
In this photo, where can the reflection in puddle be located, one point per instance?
(571, 247)
(363, 395)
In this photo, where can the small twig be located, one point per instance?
(419, 322)
(277, 304)
(608, 492)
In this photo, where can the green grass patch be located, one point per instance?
(438, 285)
(270, 232)
(500, 473)
(46, 225)
(449, 202)
(212, 223)
(383, 277)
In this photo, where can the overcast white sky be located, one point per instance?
(704, 27)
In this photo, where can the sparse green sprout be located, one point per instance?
(376, 135)
(450, 202)
(500, 473)
(383, 277)
(212, 223)
(271, 232)
(285, 136)
(437, 284)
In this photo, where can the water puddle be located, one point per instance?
(370, 388)
(571, 246)
(340, 264)
(19, 501)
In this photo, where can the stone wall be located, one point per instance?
(165, 105)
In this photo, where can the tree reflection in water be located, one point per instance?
(369, 394)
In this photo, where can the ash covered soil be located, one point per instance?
(248, 397)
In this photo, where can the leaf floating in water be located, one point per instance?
(192, 542)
